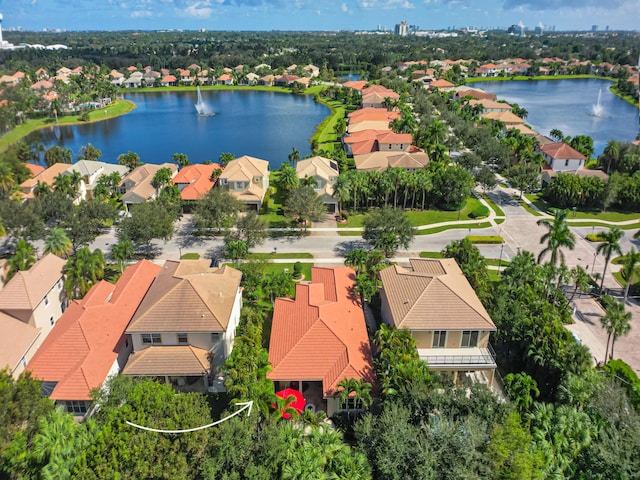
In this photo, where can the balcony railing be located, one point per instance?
(459, 357)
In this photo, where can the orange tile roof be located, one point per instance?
(34, 169)
(355, 84)
(198, 180)
(441, 83)
(168, 79)
(560, 150)
(81, 349)
(321, 335)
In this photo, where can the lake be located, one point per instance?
(568, 105)
(266, 125)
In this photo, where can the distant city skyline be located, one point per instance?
(315, 15)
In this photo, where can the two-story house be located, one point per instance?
(88, 344)
(30, 305)
(320, 338)
(433, 300)
(562, 157)
(247, 179)
(324, 173)
(137, 186)
(91, 171)
(186, 325)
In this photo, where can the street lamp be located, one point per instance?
(180, 250)
(595, 255)
(500, 260)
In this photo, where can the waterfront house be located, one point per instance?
(195, 181)
(225, 79)
(324, 173)
(91, 171)
(88, 345)
(134, 80)
(562, 157)
(247, 179)
(168, 81)
(320, 338)
(137, 186)
(433, 300)
(46, 177)
(30, 305)
(186, 325)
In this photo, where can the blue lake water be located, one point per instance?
(568, 105)
(266, 125)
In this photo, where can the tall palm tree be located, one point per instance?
(616, 321)
(57, 242)
(22, 259)
(287, 178)
(82, 271)
(342, 190)
(611, 154)
(558, 235)
(630, 271)
(357, 259)
(7, 179)
(610, 244)
(581, 279)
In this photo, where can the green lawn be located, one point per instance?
(631, 226)
(492, 204)
(281, 267)
(117, 108)
(431, 255)
(442, 228)
(609, 216)
(539, 77)
(495, 262)
(325, 134)
(190, 256)
(424, 217)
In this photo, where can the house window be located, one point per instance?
(76, 407)
(51, 320)
(60, 284)
(47, 388)
(439, 339)
(389, 146)
(151, 338)
(351, 404)
(215, 337)
(257, 179)
(223, 181)
(46, 301)
(469, 339)
(401, 147)
(566, 163)
(183, 338)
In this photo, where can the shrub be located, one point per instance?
(297, 270)
(343, 215)
(481, 211)
(84, 117)
(190, 256)
(594, 237)
(621, 371)
(486, 239)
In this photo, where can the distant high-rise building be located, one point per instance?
(1, 43)
(402, 29)
(594, 28)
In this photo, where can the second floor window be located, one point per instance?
(439, 339)
(469, 338)
(151, 338)
(183, 338)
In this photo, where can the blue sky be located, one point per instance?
(315, 14)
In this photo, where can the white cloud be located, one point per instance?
(141, 14)
(198, 9)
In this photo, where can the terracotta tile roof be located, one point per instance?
(363, 135)
(225, 77)
(392, 137)
(15, 340)
(476, 93)
(47, 177)
(433, 294)
(380, 90)
(364, 147)
(188, 296)
(168, 79)
(82, 348)
(355, 84)
(368, 125)
(441, 83)
(34, 169)
(321, 335)
(373, 113)
(560, 150)
(523, 129)
(178, 360)
(27, 289)
(197, 179)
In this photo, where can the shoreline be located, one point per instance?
(125, 106)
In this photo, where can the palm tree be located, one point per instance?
(294, 156)
(611, 154)
(581, 279)
(629, 270)
(610, 244)
(342, 190)
(357, 259)
(7, 179)
(357, 389)
(22, 259)
(235, 250)
(122, 251)
(616, 321)
(522, 390)
(57, 242)
(287, 178)
(557, 236)
(82, 271)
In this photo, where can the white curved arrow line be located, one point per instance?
(245, 406)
